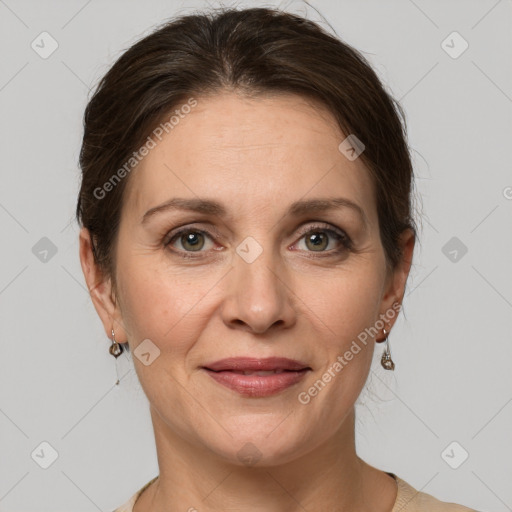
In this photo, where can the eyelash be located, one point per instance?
(339, 235)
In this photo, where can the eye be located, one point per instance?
(191, 240)
(317, 239)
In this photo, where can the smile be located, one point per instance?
(256, 378)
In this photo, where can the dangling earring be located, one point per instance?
(116, 350)
(386, 361)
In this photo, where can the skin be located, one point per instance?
(297, 300)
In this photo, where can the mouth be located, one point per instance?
(260, 373)
(252, 377)
(252, 364)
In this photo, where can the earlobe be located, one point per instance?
(100, 287)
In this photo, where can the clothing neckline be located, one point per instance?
(138, 494)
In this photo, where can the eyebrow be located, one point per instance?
(208, 206)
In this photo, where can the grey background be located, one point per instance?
(452, 351)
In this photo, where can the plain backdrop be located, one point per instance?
(449, 401)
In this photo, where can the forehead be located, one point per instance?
(250, 151)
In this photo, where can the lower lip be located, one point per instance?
(257, 385)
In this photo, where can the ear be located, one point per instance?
(394, 289)
(100, 290)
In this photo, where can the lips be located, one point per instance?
(247, 364)
(252, 377)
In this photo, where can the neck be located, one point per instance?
(330, 477)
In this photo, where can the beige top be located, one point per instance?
(408, 499)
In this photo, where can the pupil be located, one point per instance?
(192, 239)
(317, 239)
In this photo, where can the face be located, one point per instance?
(267, 273)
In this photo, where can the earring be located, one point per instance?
(386, 361)
(115, 349)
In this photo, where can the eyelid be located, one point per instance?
(344, 238)
(307, 227)
(190, 227)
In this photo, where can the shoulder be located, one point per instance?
(128, 506)
(409, 499)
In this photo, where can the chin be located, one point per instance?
(258, 448)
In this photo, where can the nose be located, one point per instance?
(258, 297)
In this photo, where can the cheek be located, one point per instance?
(347, 303)
(161, 306)
(348, 306)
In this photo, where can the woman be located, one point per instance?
(247, 234)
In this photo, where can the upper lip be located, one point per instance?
(255, 364)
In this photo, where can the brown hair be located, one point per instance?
(252, 51)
